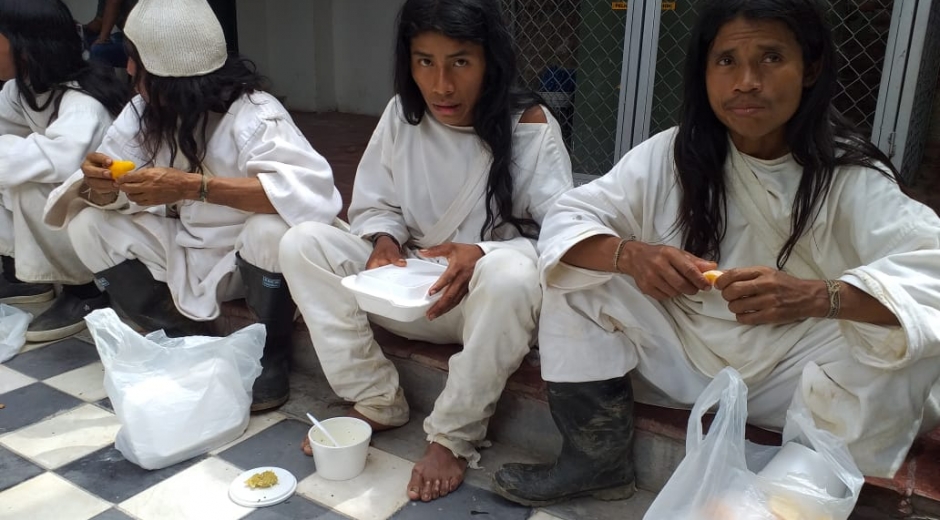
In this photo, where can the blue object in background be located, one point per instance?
(557, 79)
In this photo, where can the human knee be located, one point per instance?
(509, 274)
(308, 243)
(260, 239)
(85, 232)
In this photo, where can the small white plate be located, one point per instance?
(243, 495)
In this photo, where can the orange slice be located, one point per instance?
(119, 168)
(712, 276)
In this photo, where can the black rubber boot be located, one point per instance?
(13, 290)
(267, 295)
(148, 302)
(66, 315)
(596, 424)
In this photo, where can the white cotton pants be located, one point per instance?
(42, 254)
(496, 324)
(198, 278)
(612, 329)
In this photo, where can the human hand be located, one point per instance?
(762, 295)
(455, 282)
(97, 175)
(385, 251)
(156, 186)
(663, 272)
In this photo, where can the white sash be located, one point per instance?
(744, 188)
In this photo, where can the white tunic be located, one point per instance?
(255, 138)
(37, 152)
(868, 234)
(411, 175)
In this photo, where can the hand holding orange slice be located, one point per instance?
(120, 168)
(712, 276)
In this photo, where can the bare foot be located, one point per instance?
(438, 473)
(376, 427)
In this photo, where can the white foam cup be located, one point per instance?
(347, 460)
(797, 461)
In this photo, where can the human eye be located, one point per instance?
(772, 57)
(423, 62)
(461, 62)
(724, 61)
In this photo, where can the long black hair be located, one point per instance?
(47, 57)
(819, 138)
(481, 22)
(177, 110)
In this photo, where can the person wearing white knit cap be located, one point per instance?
(222, 173)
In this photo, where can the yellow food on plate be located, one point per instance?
(262, 480)
(119, 168)
(712, 276)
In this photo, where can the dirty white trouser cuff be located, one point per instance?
(42, 254)
(495, 323)
(198, 277)
(609, 330)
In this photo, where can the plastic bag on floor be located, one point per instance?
(721, 476)
(13, 324)
(176, 398)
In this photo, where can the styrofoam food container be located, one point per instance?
(347, 460)
(397, 293)
(795, 461)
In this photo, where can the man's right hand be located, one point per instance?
(386, 251)
(97, 175)
(663, 272)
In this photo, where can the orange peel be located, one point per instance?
(120, 168)
(712, 276)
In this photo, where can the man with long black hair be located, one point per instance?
(222, 173)
(461, 168)
(830, 292)
(54, 109)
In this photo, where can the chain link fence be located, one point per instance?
(572, 52)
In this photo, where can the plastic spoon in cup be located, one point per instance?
(322, 429)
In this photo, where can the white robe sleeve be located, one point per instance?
(545, 174)
(297, 180)
(616, 204)
(12, 120)
(54, 155)
(898, 242)
(375, 206)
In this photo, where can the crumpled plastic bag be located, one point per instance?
(13, 325)
(718, 478)
(176, 398)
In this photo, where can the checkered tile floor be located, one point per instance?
(58, 461)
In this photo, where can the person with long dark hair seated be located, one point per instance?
(829, 292)
(222, 173)
(54, 109)
(461, 168)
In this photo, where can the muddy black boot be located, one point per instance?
(267, 295)
(148, 302)
(13, 290)
(596, 424)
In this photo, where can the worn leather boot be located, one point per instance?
(135, 292)
(267, 295)
(596, 424)
(14, 291)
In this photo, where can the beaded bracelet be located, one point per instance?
(835, 298)
(204, 189)
(619, 251)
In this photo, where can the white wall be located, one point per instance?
(82, 10)
(322, 54)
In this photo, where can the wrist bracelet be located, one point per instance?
(619, 251)
(204, 189)
(375, 238)
(835, 298)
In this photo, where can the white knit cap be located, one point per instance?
(177, 38)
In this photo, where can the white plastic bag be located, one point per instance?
(718, 480)
(13, 324)
(176, 398)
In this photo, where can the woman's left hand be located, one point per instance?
(762, 295)
(156, 186)
(455, 282)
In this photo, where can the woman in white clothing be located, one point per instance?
(461, 168)
(54, 109)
